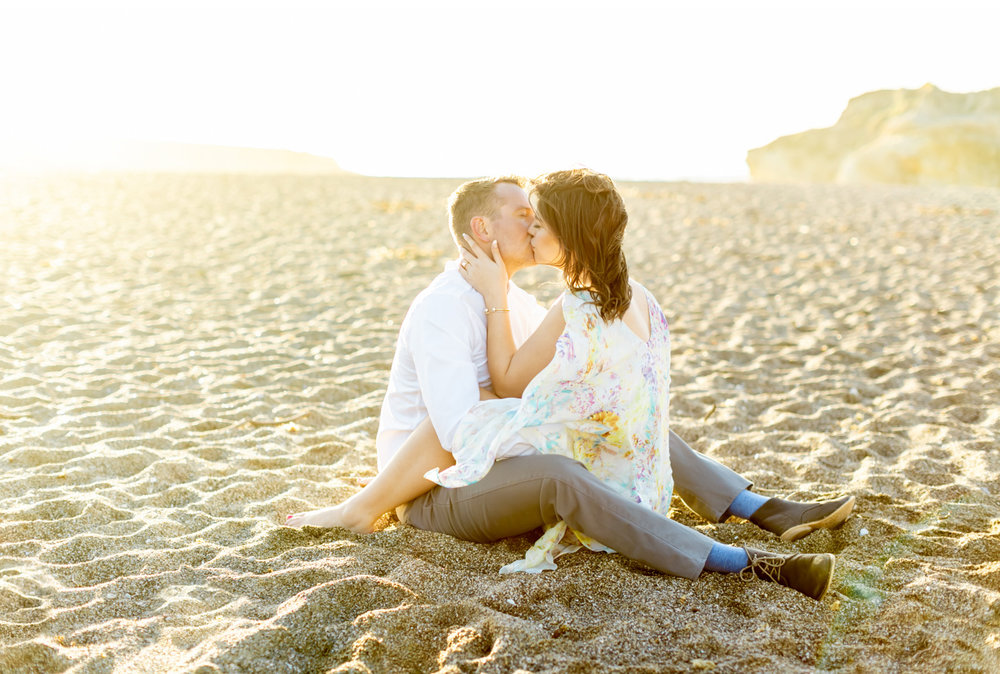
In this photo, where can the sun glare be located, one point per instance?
(657, 90)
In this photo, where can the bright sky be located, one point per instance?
(649, 90)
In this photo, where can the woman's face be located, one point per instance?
(544, 243)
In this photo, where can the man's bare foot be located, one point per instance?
(340, 515)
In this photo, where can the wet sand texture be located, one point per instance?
(186, 359)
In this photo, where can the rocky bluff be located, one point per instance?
(922, 136)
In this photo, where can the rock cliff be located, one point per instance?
(920, 136)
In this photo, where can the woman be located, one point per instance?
(593, 382)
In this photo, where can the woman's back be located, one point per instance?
(603, 400)
(610, 387)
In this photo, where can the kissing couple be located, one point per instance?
(502, 417)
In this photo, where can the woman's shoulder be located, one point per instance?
(638, 287)
(581, 303)
(652, 305)
(578, 307)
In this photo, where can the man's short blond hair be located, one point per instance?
(476, 198)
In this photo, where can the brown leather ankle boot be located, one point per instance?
(810, 574)
(792, 520)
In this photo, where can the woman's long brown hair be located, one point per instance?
(587, 214)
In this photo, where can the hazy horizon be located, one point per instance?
(114, 156)
(641, 91)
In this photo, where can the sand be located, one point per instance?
(186, 359)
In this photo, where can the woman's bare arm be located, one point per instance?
(511, 370)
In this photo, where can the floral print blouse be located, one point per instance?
(602, 400)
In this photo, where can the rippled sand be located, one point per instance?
(186, 359)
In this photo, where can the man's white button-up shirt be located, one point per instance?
(440, 360)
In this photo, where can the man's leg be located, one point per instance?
(715, 492)
(523, 493)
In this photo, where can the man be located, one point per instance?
(439, 372)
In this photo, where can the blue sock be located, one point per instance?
(746, 504)
(726, 559)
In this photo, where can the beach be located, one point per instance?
(186, 359)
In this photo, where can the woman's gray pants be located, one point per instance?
(523, 493)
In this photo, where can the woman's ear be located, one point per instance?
(480, 231)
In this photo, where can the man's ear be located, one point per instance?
(479, 229)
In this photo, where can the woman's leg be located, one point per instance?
(715, 492)
(400, 481)
(523, 493)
